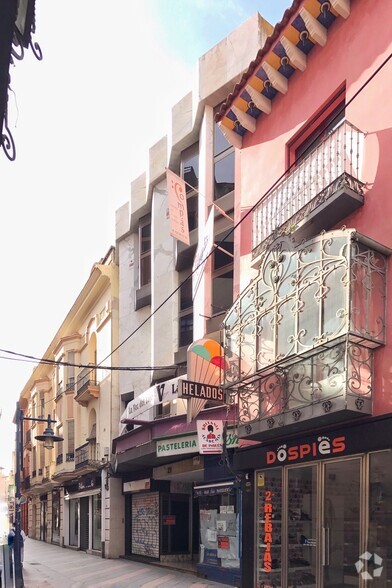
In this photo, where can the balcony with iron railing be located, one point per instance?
(87, 456)
(299, 342)
(26, 483)
(87, 387)
(320, 191)
(27, 440)
(65, 467)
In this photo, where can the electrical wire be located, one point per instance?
(32, 359)
(235, 226)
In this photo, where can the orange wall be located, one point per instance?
(354, 50)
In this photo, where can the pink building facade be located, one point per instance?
(308, 339)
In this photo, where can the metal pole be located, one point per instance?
(18, 458)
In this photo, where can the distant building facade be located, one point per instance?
(68, 489)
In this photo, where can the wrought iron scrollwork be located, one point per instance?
(7, 141)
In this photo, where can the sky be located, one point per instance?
(83, 120)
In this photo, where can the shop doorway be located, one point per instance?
(43, 520)
(84, 523)
(309, 525)
(175, 534)
(341, 523)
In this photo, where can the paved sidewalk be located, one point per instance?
(50, 566)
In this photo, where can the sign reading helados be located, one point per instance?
(205, 372)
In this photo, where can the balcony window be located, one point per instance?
(223, 164)
(303, 330)
(145, 252)
(325, 124)
(190, 168)
(320, 191)
(71, 436)
(222, 276)
(185, 329)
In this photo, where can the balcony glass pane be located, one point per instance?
(286, 328)
(265, 340)
(368, 274)
(308, 318)
(300, 300)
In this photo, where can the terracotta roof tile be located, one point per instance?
(289, 12)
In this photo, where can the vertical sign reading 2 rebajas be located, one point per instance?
(268, 530)
(178, 211)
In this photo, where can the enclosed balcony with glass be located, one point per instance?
(299, 341)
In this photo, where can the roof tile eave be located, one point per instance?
(226, 105)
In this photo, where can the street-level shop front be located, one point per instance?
(319, 509)
(220, 531)
(83, 514)
(167, 515)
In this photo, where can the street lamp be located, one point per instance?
(49, 438)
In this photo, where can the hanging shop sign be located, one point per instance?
(178, 212)
(189, 444)
(206, 392)
(163, 392)
(210, 436)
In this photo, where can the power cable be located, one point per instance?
(32, 359)
(235, 226)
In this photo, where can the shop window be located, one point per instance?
(97, 524)
(219, 527)
(380, 511)
(223, 164)
(56, 516)
(74, 522)
(318, 128)
(145, 252)
(190, 173)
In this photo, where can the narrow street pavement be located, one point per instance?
(50, 566)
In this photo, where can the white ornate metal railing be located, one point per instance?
(341, 152)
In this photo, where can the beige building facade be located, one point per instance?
(68, 489)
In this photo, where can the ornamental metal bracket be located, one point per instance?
(21, 29)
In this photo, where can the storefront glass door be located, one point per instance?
(302, 525)
(308, 524)
(342, 520)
